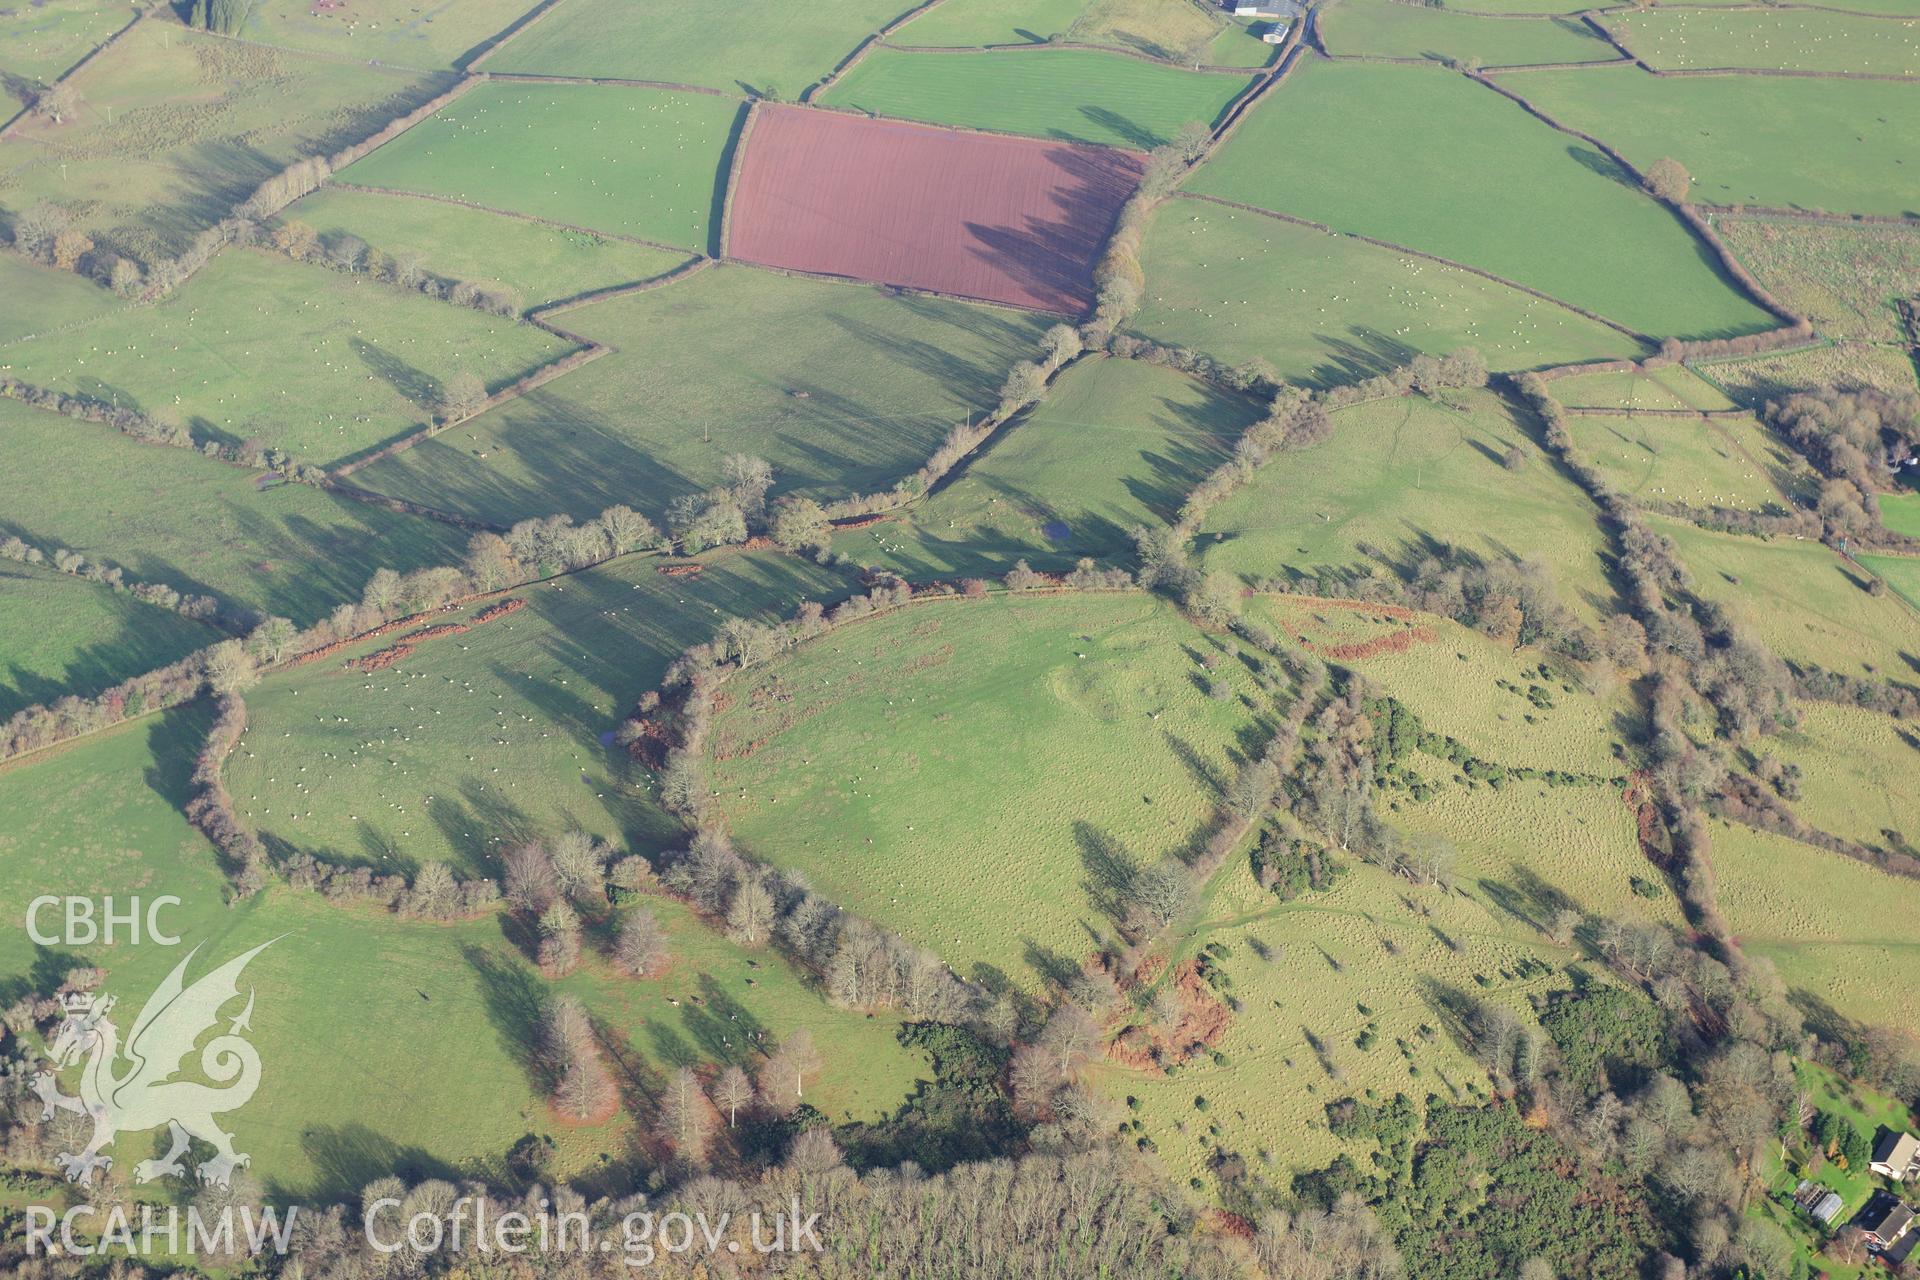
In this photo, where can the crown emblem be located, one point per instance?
(77, 1002)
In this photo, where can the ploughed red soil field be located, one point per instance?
(1013, 220)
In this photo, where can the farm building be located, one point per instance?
(1885, 1219)
(1253, 8)
(1896, 1155)
(1275, 34)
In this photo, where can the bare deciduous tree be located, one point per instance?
(572, 1053)
(783, 1077)
(750, 915)
(462, 397)
(746, 480)
(1069, 1037)
(642, 948)
(579, 864)
(733, 1091)
(686, 1118)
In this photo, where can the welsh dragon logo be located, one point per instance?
(129, 1088)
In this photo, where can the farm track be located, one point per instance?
(1303, 35)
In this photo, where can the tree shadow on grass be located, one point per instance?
(1051, 966)
(348, 1157)
(721, 1026)
(43, 977)
(416, 386)
(1527, 898)
(1453, 1009)
(1111, 871)
(1130, 134)
(515, 1002)
(670, 1049)
(1199, 766)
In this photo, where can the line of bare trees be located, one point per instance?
(68, 561)
(250, 453)
(1025, 386)
(404, 268)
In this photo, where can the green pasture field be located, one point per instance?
(384, 1041)
(1328, 309)
(972, 24)
(1240, 45)
(1177, 32)
(1839, 145)
(841, 387)
(757, 49)
(636, 162)
(200, 526)
(1902, 573)
(1115, 444)
(1075, 95)
(1718, 462)
(1371, 941)
(1754, 380)
(1844, 277)
(479, 740)
(1670, 386)
(1528, 848)
(317, 362)
(404, 33)
(1892, 8)
(1399, 475)
(1391, 29)
(39, 42)
(980, 775)
(1857, 770)
(1483, 188)
(1452, 682)
(63, 634)
(45, 302)
(1901, 513)
(1783, 40)
(541, 263)
(1828, 923)
(176, 128)
(1545, 8)
(1802, 599)
(1182, 33)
